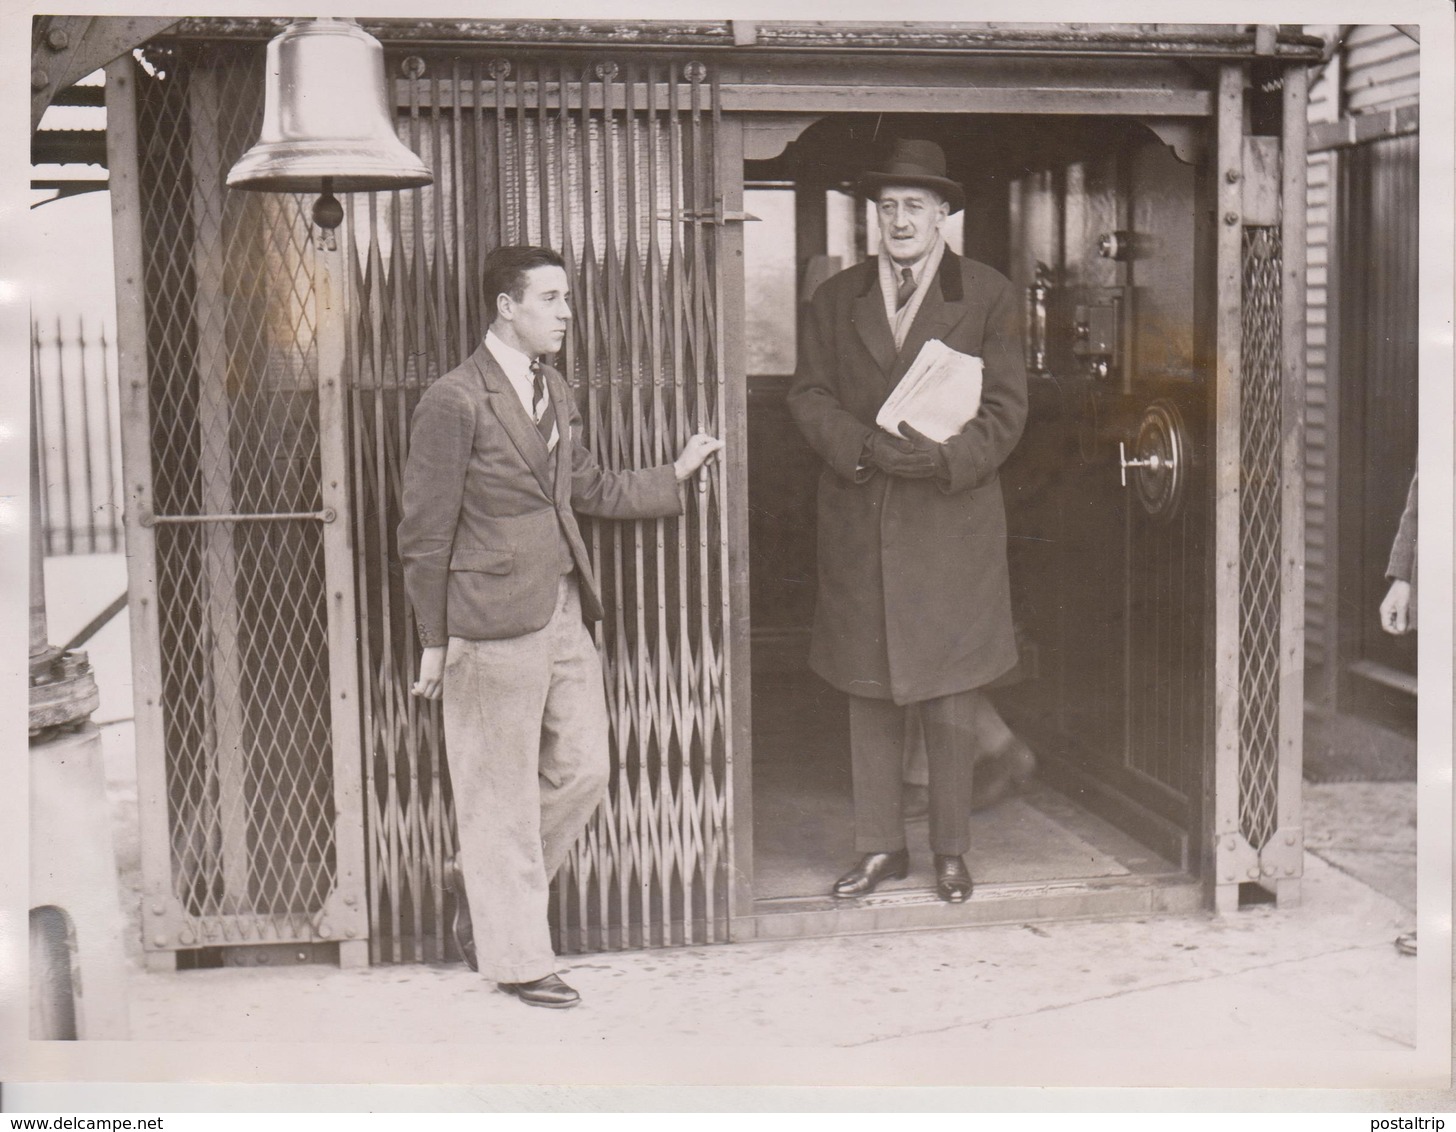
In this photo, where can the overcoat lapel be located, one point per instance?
(868, 315)
(512, 416)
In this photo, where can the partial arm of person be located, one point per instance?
(441, 437)
(841, 440)
(648, 493)
(973, 456)
(1395, 610)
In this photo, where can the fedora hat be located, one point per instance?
(914, 164)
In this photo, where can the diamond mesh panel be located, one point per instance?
(1259, 537)
(233, 376)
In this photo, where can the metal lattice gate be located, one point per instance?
(247, 766)
(1258, 661)
(614, 166)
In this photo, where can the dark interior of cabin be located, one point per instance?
(1096, 220)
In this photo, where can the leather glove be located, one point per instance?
(899, 457)
(919, 452)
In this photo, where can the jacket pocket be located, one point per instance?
(477, 560)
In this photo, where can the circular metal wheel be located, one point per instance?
(1161, 454)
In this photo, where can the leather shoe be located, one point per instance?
(952, 879)
(550, 992)
(1001, 774)
(464, 931)
(873, 868)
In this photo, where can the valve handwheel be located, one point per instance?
(1160, 463)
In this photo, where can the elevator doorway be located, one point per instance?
(1109, 576)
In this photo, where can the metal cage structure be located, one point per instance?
(293, 793)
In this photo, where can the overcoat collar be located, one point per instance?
(513, 418)
(939, 314)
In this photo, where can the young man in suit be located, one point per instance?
(500, 581)
(914, 604)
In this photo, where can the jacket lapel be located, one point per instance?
(513, 418)
(941, 311)
(867, 312)
(559, 391)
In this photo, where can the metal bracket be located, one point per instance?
(1262, 188)
(64, 49)
(162, 922)
(1235, 860)
(714, 215)
(343, 918)
(1283, 855)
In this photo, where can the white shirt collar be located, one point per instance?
(516, 364)
(517, 367)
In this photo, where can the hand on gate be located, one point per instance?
(432, 673)
(699, 449)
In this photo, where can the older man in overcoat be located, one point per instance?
(914, 606)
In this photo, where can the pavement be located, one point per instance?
(1314, 995)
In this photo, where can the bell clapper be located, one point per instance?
(328, 213)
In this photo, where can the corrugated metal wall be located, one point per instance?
(1376, 69)
(1324, 106)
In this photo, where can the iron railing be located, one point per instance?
(78, 430)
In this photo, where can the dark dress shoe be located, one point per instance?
(464, 931)
(952, 878)
(550, 992)
(875, 867)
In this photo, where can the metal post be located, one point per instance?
(219, 554)
(1284, 852)
(1231, 854)
(159, 906)
(346, 914)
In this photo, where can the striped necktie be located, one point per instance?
(538, 401)
(907, 288)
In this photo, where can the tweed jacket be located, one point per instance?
(489, 525)
(914, 592)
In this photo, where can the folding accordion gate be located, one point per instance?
(292, 790)
(614, 166)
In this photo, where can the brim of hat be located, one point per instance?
(955, 196)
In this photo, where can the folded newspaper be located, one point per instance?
(939, 393)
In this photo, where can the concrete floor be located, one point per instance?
(1313, 995)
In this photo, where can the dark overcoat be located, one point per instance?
(914, 596)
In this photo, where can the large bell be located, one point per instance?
(327, 119)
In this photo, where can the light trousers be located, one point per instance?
(526, 740)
